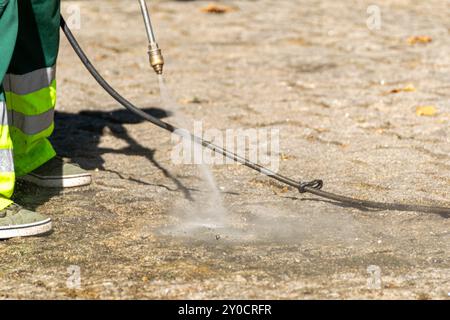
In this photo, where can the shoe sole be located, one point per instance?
(58, 182)
(26, 230)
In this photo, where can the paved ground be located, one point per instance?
(344, 98)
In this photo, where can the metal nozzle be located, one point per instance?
(156, 58)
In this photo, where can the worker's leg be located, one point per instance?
(7, 176)
(30, 83)
(31, 94)
(8, 27)
(15, 221)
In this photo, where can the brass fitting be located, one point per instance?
(156, 58)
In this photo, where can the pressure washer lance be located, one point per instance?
(313, 187)
(154, 52)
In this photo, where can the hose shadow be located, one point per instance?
(360, 207)
(77, 137)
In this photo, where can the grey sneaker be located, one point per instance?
(16, 221)
(58, 174)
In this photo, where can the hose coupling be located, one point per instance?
(156, 58)
(315, 184)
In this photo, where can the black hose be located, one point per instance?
(313, 187)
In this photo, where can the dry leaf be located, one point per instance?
(218, 9)
(407, 88)
(419, 39)
(426, 111)
(193, 100)
(285, 157)
(277, 190)
(284, 190)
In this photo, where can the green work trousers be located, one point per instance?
(29, 40)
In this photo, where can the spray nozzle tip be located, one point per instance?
(158, 69)
(156, 58)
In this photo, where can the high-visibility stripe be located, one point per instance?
(24, 143)
(4, 203)
(31, 124)
(7, 180)
(27, 124)
(30, 152)
(33, 103)
(5, 137)
(29, 82)
(3, 114)
(6, 160)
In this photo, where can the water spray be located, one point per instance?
(313, 187)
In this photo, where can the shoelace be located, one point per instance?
(14, 208)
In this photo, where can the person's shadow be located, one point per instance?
(77, 137)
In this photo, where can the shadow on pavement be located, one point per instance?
(77, 137)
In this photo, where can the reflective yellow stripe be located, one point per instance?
(23, 143)
(5, 141)
(4, 203)
(27, 124)
(6, 188)
(32, 151)
(33, 103)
